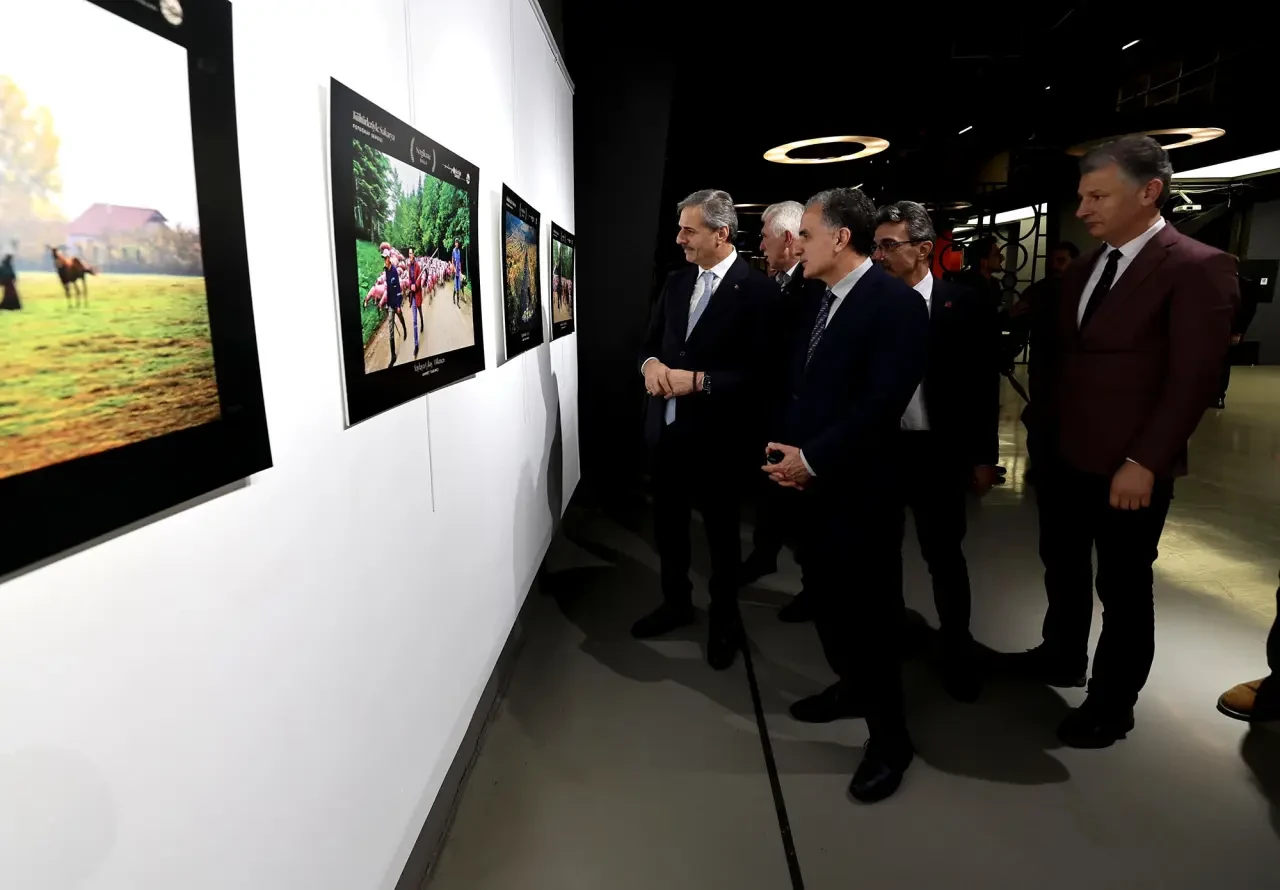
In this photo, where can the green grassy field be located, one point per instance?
(369, 266)
(137, 363)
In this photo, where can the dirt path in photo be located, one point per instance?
(446, 327)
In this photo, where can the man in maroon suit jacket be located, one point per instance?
(1138, 342)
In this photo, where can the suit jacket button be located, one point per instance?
(682, 353)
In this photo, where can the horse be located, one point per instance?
(70, 270)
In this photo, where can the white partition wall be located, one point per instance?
(264, 690)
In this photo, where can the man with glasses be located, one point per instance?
(948, 441)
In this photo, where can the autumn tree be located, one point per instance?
(29, 180)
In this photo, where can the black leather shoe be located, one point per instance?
(1036, 664)
(1094, 726)
(799, 610)
(724, 638)
(879, 774)
(662, 620)
(832, 703)
(756, 566)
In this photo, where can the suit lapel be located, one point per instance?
(1147, 261)
(682, 294)
(720, 300)
(1073, 285)
(845, 316)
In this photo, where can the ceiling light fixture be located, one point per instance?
(740, 206)
(1009, 216)
(1192, 136)
(870, 145)
(1049, 87)
(1254, 165)
(965, 130)
(1129, 44)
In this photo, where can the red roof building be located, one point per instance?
(101, 221)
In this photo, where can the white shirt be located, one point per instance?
(1129, 250)
(844, 285)
(916, 417)
(840, 290)
(719, 270)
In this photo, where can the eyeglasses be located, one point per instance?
(887, 246)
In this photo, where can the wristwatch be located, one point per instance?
(706, 383)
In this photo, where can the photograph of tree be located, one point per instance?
(416, 229)
(404, 230)
(520, 279)
(105, 334)
(561, 282)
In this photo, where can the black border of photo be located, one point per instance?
(565, 237)
(370, 394)
(60, 506)
(520, 341)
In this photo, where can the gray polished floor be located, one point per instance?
(617, 764)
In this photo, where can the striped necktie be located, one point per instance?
(819, 325)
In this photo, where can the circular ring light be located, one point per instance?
(1192, 136)
(870, 145)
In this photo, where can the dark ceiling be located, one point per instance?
(745, 83)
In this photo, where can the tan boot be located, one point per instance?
(1242, 703)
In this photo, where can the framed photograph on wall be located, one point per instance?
(521, 292)
(561, 282)
(404, 234)
(130, 379)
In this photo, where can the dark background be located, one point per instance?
(671, 98)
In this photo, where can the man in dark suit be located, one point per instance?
(852, 377)
(776, 518)
(1140, 332)
(948, 442)
(701, 363)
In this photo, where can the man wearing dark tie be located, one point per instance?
(852, 378)
(1139, 335)
(949, 440)
(775, 511)
(701, 362)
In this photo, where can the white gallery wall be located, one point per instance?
(264, 690)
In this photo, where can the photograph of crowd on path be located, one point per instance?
(413, 232)
(522, 294)
(561, 282)
(104, 323)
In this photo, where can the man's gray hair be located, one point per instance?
(919, 226)
(783, 217)
(1140, 158)
(849, 209)
(717, 209)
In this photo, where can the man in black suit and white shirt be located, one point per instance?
(850, 384)
(776, 508)
(701, 365)
(949, 430)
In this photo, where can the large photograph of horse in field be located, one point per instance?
(521, 289)
(413, 236)
(104, 321)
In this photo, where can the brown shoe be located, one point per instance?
(1242, 702)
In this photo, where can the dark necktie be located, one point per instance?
(819, 325)
(1103, 286)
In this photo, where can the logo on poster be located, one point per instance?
(172, 11)
(422, 156)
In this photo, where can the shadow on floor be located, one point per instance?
(1260, 751)
(1005, 737)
